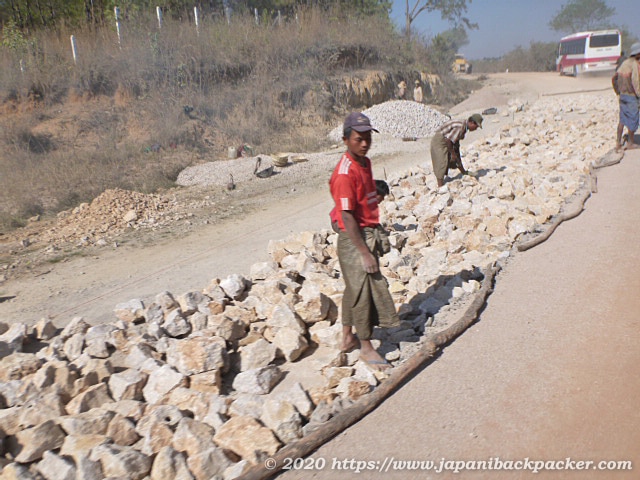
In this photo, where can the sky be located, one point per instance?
(505, 24)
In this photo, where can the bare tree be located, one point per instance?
(451, 10)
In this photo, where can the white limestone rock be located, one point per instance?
(160, 382)
(170, 464)
(299, 398)
(44, 329)
(234, 286)
(208, 464)
(257, 354)
(290, 343)
(262, 270)
(283, 419)
(193, 437)
(197, 355)
(247, 438)
(192, 302)
(55, 467)
(94, 397)
(258, 380)
(30, 444)
(127, 384)
(123, 462)
(176, 325)
(130, 311)
(284, 316)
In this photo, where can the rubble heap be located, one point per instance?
(401, 119)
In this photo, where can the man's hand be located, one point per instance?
(369, 262)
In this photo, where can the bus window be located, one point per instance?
(598, 41)
(573, 47)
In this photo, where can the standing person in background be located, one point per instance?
(402, 91)
(366, 301)
(417, 92)
(445, 145)
(626, 83)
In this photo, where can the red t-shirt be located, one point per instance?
(333, 215)
(353, 188)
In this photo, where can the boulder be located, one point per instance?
(55, 467)
(258, 380)
(161, 381)
(93, 397)
(197, 355)
(123, 462)
(193, 437)
(170, 464)
(127, 385)
(257, 354)
(208, 464)
(283, 419)
(30, 444)
(291, 344)
(247, 438)
(130, 311)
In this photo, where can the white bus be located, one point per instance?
(589, 52)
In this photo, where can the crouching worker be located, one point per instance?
(445, 145)
(366, 302)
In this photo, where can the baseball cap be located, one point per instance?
(635, 49)
(359, 122)
(476, 117)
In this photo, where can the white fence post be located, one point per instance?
(74, 50)
(195, 14)
(227, 13)
(22, 66)
(159, 15)
(255, 12)
(116, 11)
(279, 18)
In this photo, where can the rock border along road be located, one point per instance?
(549, 372)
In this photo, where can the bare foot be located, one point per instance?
(632, 146)
(374, 360)
(349, 344)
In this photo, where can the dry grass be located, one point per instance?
(70, 131)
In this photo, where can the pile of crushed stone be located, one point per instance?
(401, 119)
(112, 212)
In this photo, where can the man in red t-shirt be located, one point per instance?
(366, 301)
(382, 190)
